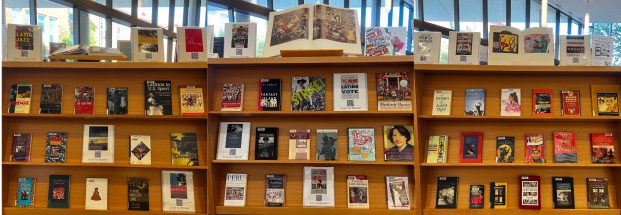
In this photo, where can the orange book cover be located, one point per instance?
(542, 102)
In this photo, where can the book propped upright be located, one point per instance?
(602, 50)
(147, 44)
(427, 47)
(605, 100)
(603, 151)
(24, 43)
(530, 192)
(511, 46)
(240, 40)
(192, 44)
(575, 50)
(471, 148)
(563, 192)
(316, 26)
(464, 47)
(498, 195)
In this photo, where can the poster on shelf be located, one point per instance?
(147, 44)
(575, 50)
(192, 44)
(24, 43)
(464, 48)
(511, 46)
(602, 50)
(427, 47)
(240, 40)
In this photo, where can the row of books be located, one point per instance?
(471, 148)
(530, 193)
(604, 102)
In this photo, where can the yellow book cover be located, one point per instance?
(22, 101)
(436, 152)
(357, 191)
(604, 100)
(184, 149)
(299, 141)
(442, 102)
(191, 101)
(499, 195)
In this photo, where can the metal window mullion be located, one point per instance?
(527, 14)
(579, 28)
(508, 11)
(197, 12)
(109, 26)
(390, 14)
(346, 3)
(186, 11)
(401, 15)
(76, 25)
(171, 15)
(231, 14)
(410, 35)
(363, 12)
(557, 33)
(420, 10)
(33, 12)
(327, 2)
(134, 10)
(270, 4)
(375, 13)
(569, 22)
(485, 18)
(300, 2)
(456, 14)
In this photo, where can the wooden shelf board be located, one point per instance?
(102, 165)
(75, 211)
(304, 210)
(520, 212)
(312, 113)
(106, 65)
(311, 162)
(519, 165)
(519, 69)
(522, 118)
(87, 116)
(316, 61)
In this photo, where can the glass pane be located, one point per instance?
(163, 13)
(178, 22)
(518, 14)
(313, 1)
(259, 2)
(261, 33)
(356, 5)
(217, 17)
(439, 12)
(96, 29)
(602, 29)
(535, 13)
(284, 4)
(383, 15)
(166, 40)
(574, 27)
(552, 19)
(102, 2)
(145, 10)
(395, 14)
(124, 6)
(242, 17)
(564, 25)
(337, 3)
(444, 43)
(120, 32)
(59, 28)
(471, 16)
(496, 13)
(616, 56)
(15, 12)
(203, 13)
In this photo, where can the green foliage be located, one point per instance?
(92, 35)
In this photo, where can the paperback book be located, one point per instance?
(570, 103)
(512, 46)
(56, 147)
(275, 186)
(184, 149)
(350, 92)
(232, 97)
(266, 144)
(398, 143)
(138, 194)
(51, 99)
(427, 47)
(299, 144)
(498, 195)
(471, 147)
(510, 102)
(25, 195)
(436, 151)
(240, 40)
(597, 192)
(178, 191)
(327, 145)
(442, 102)
(20, 98)
(96, 194)
(602, 50)
(357, 190)
(575, 50)
(158, 100)
(361, 143)
(308, 94)
(603, 150)
(563, 192)
(604, 100)
(233, 141)
(505, 149)
(20, 151)
(236, 189)
(393, 92)
(191, 100)
(385, 41)
(535, 148)
(398, 192)
(464, 47)
(477, 196)
(58, 192)
(530, 192)
(542, 102)
(475, 102)
(192, 44)
(117, 101)
(318, 186)
(140, 148)
(84, 100)
(269, 95)
(147, 44)
(446, 193)
(98, 144)
(565, 147)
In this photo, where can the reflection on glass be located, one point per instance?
(203, 13)
(564, 29)
(444, 43)
(178, 21)
(616, 55)
(284, 4)
(145, 10)
(337, 3)
(574, 27)
(258, 2)
(120, 32)
(261, 33)
(97, 29)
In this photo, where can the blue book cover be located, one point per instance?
(475, 102)
(25, 192)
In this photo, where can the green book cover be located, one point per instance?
(58, 194)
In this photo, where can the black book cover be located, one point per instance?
(55, 148)
(505, 149)
(51, 98)
(218, 46)
(138, 194)
(446, 196)
(269, 95)
(58, 192)
(158, 99)
(477, 197)
(275, 190)
(266, 144)
(13, 98)
(563, 192)
(117, 101)
(497, 195)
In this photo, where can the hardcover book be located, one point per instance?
(442, 102)
(117, 101)
(563, 192)
(477, 196)
(385, 41)
(20, 151)
(266, 145)
(510, 102)
(233, 141)
(318, 186)
(530, 192)
(138, 194)
(58, 192)
(357, 190)
(350, 92)
(565, 147)
(275, 190)
(192, 45)
(464, 47)
(20, 98)
(178, 191)
(140, 148)
(25, 195)
(361, 143)
(299, 144)
(236, 189)
(446, 193)
(158, 100)
(471, 147)
(191, 100)
(398, 192)
(603, 150)
(498, 195)
(51, 99)
(398, 143)
(505, 149)
(56, 46)
(84, 102)
(570, 100)
(27, 40)
(184, 149)
(98, 144)
(535, 148)
(512, 46)
(232, 97)
(147, 44)
(308, 94)
(55, 147)
(542, 102)
(604, 100)
(327, 145)
(602, 50)
(436, 151)
(96, 194)
(575, 50)
(269, 95)
(597, 192)
(393, 92)
(475, 102)
(427, 47)
(240, 40)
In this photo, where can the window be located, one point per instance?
(145, 10)
(163, 12)
(96, 34)
(564, 30)
(616, 55)
(312, 1)
(53, 31)
(496, 13)
(471, 16)
(178, 21)
(261, 33)
(120, 32)
(357, 5)
(203, 13)
(124, 6)
(439, 12)
(602, 29)
(574, 27)
(444, 43)
(27, 16)
(337, 3)
(217, 16)
(535, 13)
(41, 22)
(369, 13)
(258, 2)
(552, 19)
(284, 4)
(395, 13)
(518, 14)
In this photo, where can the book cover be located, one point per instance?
(570, 100)
(192, 100)
(446, 193)
(299, 144)
(475, 102)
(530, 192)
(158, 100)
(361, 143)
(232, 97)
(56, 147)
(535, 148)
(193, 40)
(464, 47)
(266, 145)
(602, 50)
(357, 190)
(385, 41)
(96, 194)
(56, 46)
(51, 99)
(398, 143)
(436, 151)
(275, 190)
(84, 102)
(471, 147)
(240, 40)
(147, 44)
(308, 94)
(25, 195)
(442, 102)
(236, 189)
(234, 141)
(327, 145)
(20, 151)
(184, 149)
(542, 102)
(498, 195)
(318, 186)
(604, 101)
(140, 148)
(20, 98)
(505, 149)
(350, 92)
(510, 102)
(98, 144)
(12, 98)
(563, 192)
(603, 150)
(477, 196)
(27, 40)
(117, 101)
(393, 92)
(426, 47)
(178, 191)
(597, 192)
(565, 147)
(58, 192)
(138, 194)
(193, 43)
(269, 95)
(398, 192)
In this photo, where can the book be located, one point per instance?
(58, 192)
(218, 46)
(477, 196)
(510, 102)
(475, 102)
(446, 193)
(427, 47)
(191, 100)
(505, 149)
(385, 41)
(269, 95)
(597, 192)
(464, 47)
(138, 194)
(570, 102)
(96, 194)
(563, 193)
(393, 92)
(308, 94)
(436, 151)
(240, 40)
(512, 46)
(398, 192)
(575, 50)
(51, 99)
(398, 143)
(498, 195)
(25, 195)
(233, 141)
(266, 145)
(98, 144)
(232, 97)
(442, 102)
(318, 186)
(117, 101)
(313, 27)
(299, 144)
(209, 42)
(565, 147)
(84, 102)
(530, 192)
(535, 148)
(542, 102)
(56, 46)
(158, 100)
(20, 98)
(361, 142)
(147, 44)
(352, 92)
(236, 190)
(603, 148)
(604, 100)
(602, 50)
(178, 191)
(192, 44)
(327, 145)
(275, 190)
(483, 53)
(358, 191)
(27, 40)
(184, 149)
(139, 149)
(20, 149)
(471, 147)
(55, 147)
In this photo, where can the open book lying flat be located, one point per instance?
(331, 28)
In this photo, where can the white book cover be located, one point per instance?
(427, 47)
(147, 44)
(385, 41)
(350, 92)
(240, 40)
(192, 44)
(236, 191)
(24, 43)
(483, 55)
(210, 36)
(316, 26)
(575, 50)
(398, 192)
(98, 144)
(178, 191)
(318, 186)
(602, 50)
(140, 149)
(510, 102)
(510, 46)
(464, 47)
(233, 141)
(442, 100)
(96, 194)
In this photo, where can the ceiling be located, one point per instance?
(601, 11)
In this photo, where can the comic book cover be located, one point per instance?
(385, 41)
(184, 149)
(275, 190)
(436, 151)
(138, 194)
(393, 91)
(361, 143)
(535, 148)
(446, 193)
(475, 102)
(398, 143)
(357, 191)
(117, 101)
(232, 97)
(603, 150)
(192, 100)
(308, 94)
(505, 149)
(55, 147)
(20, 151)
(327, 145)
(84, 100)
(22, 99)
(565, 147)
(607, 104)
(51, 99)
(269, 95)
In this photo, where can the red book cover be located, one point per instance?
(565, 147)
(84, 100)
(471, 148)
(542, 102)
(530, 192)
(535, 148)
(20, 151)
(193, 40)
(571, 103)
(603, 148)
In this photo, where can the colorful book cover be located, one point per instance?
(84, 100)
(398, 143)
(510, 102)
(318, 190)
(607, 104)
(236, 190)
(530, 192)
(56, 147)
(266, 145)
(117, 101)
(20, 101)
(275, 190)
(269, 95)
(96, 194)
(565, 147)
(138, 194)
(232, 97)
(192, 100)
(393, 92)
(184, 149)
(563, 192)
(361, 143)
(603, 150)
(571, 103)
(535, 148)
(498, 195)
(398, 192)
(24, 39)
(12, 98)
(436, 152)
(446, 193)
(25, 195)
(308, 94)
(178, 191)
(475, 102)
(597, 192)
(193, 40)
(471, 147)
(542, 102)
(505, 149)
(158, 100)
(385, 41)
(357, 191)
(98, 144)
(20, 151)
(327, 145)
(464, 44)
(140, 148)
(442, 102)
(58, 192)
(147, 41)
(477, 197)
(51, 99)
(299, 144)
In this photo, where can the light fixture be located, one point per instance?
(544, 13)
(388, 5)
(587, 19)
